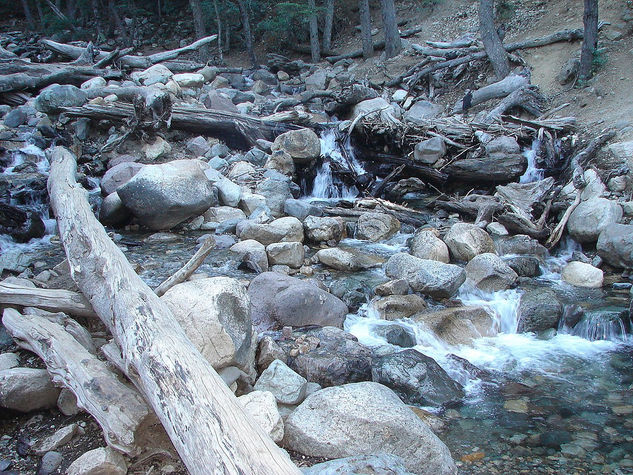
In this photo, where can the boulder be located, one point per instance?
(429, 151)
(302, 145)
(395, 334)
(262, 407)
(27, 389)
(426, 244)
(582, 275)
(15, 118)
(278, 300)
(276, 189)
(520, 244)
(590, 217)
(378, 105)
(376, 226)
(54, 97)
(268, 351)
(428, 277)
(324, 229)
(395, 307)
(158, 73)
(301, 209)
(253, 252)
(288, 229)
(242, 172)
(539, 310)
(286, 253)
(317, 81)
(219, 214)
(119, 175)
(192, 80)
(249, 202)
(615, 245)
(198, 146)
(215, 314)
(392, 287)
(465, 241)
(458, 325)
(334, 422)
(8, 361)
(162, 196)
(112, 211)
(328, 356)
(282, 162)
(381, 464)
(158, 148)
(524, 266)
(214, 100)
(490, 273)
(287, 386)
(94, 83)
(422, 111)
(101, 461)
(347, 259)
(416, 378)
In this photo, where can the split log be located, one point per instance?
(204, 420)
(527, 98)
(377, 46)
(496, 90)
(53, 300)
(135, 62)
(128, 423)
(482, 207)
(238, 131)
(461, 43)
(189, 268)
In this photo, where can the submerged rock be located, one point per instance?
(416, 378)
(333, 422)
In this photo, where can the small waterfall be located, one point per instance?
(532, 173)
(602, 326)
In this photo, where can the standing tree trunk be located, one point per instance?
(115, 19)
(365, 28)
(28, 15)
(96, 11)
(315, 47)
(327, 25)
(393, 43)
(590, 39)
(198, 25)
(218, 21)
(248, 35)
(497, 54)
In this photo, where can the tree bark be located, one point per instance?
(28, 15)
(218, 22)
(315, 47)
(198, 25)
(116, 21)
(365, 28)
(53, 300)
(248, 35)
(393, 43)
(492, 43)
(201, 415)
(590, 40)
(327, 25)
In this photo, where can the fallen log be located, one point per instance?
(377, 46)
(128, 423)
(53, 300)
(526, 97)
(203, 419)
(135, 62)
(499, 89)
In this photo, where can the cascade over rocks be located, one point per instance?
(333, 422)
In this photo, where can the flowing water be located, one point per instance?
(532, 173)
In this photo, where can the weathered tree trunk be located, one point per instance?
(202, 417)
(393, 43)
(28, 15)
(248, 34)
(198, 25)
(218, 22)
(53, 300)
(493, 91)
(492, 43)
(365, 28)
(129, 424)
(327, 25)
(590, 40)
(315, 47)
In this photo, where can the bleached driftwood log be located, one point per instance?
(129, 425)
(496, 90)
(53, 300)
(202, 417)
(136, 62)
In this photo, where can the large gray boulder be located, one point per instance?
(119, 175)
(380, 464)
(112, 211)
(215, 315)
(162, 196)
(520, 244)
(426, 244)
(55, 96)
(428, 277)
(615, 245)
(422, 111)
(287, 386)
(286, 253)
(376, 226)
(490, 273)
(262, 407)
(581, 274)
(465, 241)
(539, 310)
(27, 389)
(429, 151)
(301, 209)
(302, 145)
(395, 307)
(416, 378)
(347, 259)
(328, 356)
(277, 190)
(278, 300)
(334, 422)
(253, 252)
(590, 217)
(458, 325)
(323, 229)
(101, 461)
(288, 229)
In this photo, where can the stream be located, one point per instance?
(556, 403)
